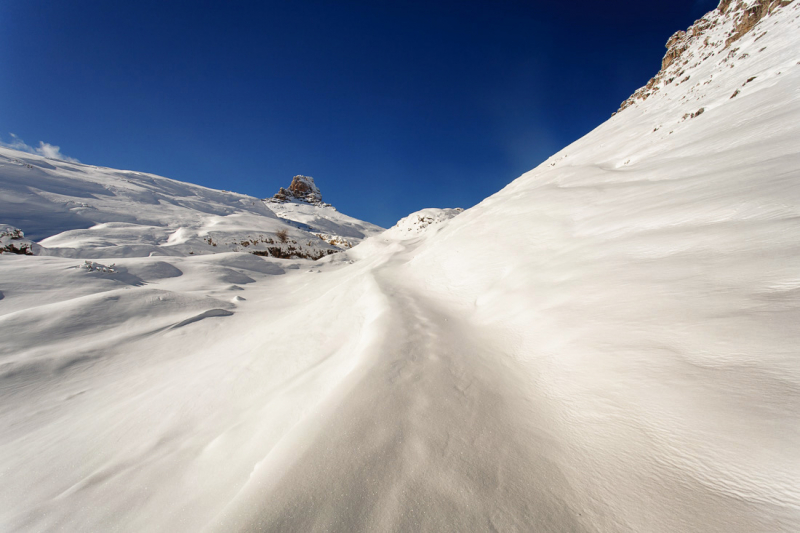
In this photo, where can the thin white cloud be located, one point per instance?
(44, 149)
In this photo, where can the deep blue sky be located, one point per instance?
(391, 106)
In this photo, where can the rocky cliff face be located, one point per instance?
(702, 41)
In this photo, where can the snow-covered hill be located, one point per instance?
(301, 206)
(76, 210)
(609, 344)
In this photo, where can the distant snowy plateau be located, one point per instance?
(609, 344)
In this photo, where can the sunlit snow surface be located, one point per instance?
(608, 344)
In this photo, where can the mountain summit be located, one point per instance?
(302, 189)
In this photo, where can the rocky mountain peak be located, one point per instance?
(302, 188)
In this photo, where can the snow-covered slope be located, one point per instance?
(609, 344)
(77, 210)
(645, 280)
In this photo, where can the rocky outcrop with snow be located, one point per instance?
(301, 189)
(13, 241)
(712, 39)
(417, 223)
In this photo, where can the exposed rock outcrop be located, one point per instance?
(751, 15)
(335, 240)
(676, 45)
(741, 16)
(13, 241)
(302, 188)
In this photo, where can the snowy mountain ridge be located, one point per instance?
(77, 210)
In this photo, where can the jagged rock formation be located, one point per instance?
(302, 188)
(739, 19)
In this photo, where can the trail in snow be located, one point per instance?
(443, 426)
(436, 435)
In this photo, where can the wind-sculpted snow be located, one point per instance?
(99, 390)
(609, 344)
(211, 313)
